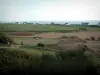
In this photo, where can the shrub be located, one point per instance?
(92, 38)
(5, 39)
(98, 38)
(65, 55)
(21, 42)
(82, 28)
(40, 45)
(71, 54)
(46, 56)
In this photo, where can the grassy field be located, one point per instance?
(42, 28)
(31, 41)
(26, 61)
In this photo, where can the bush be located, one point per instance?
(98, 38)
(40, 45)
(5, 39)
(21, 42)
(82, 28)
(65, 55)
(70, 55)
(46, 56)
(92, 38)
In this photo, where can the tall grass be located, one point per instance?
(20, 62)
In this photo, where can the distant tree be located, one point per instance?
(84, 23)
(94, 26)
(99, 23)
(37, 23)
(17, 22)
(52, 23)
(24, 22)
(66, 23)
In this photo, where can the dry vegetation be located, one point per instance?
(71, 43)
(72, 52)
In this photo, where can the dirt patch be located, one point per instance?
(66, 40)
(75, 43)
(64, 37)
(23, 34)
(71, 43)
(82, 35)
(49, 35)
(94, 46)
(70, 39)
(71, 47)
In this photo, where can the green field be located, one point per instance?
(42, 28)
(32, 41)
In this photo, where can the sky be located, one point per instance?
(49, 10)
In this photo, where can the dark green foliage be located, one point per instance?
(94, 26)
(5, 39)
(40, 45)
(71, 55)
(71, 63)
(66, 55)
(21, 42)
(82, 28)
(7, 60)
(47, 57)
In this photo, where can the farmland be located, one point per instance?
(51, 49)
(42, 28)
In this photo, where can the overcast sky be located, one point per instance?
(49, 10)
